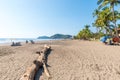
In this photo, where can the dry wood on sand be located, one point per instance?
(34, 68)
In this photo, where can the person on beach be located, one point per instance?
(26, 41)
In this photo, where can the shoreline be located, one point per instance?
(24, 41)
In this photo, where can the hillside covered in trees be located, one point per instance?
(56, 36)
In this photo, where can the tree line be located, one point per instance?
(106, 17)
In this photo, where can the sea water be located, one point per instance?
(10, 40)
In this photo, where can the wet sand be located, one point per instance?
(68, 60)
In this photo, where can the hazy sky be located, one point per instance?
(33, 18)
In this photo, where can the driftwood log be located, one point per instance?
(41, 61)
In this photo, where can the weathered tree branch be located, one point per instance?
(41, 61)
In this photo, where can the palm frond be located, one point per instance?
(103, 4)
(118, 1)
(96, 12)
(105, 8)
(99, 2)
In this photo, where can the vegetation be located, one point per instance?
(106, 16)
(60, 36)
(98, 35)
(43, 37)
(84, 33)
(87, 34)
(103, 19)
(56, 36)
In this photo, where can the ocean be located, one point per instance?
(10, 40)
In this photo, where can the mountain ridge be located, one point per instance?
(56, 36)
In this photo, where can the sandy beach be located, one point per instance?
(68, 60)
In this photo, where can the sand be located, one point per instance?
(68, 60)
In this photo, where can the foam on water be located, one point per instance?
(10, 40)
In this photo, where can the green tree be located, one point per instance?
(103, 19)
(112, 3)
(85, 33)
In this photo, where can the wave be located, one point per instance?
(10, 40)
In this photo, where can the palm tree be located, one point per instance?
(85, 33)
(103, 19)
(98, 22)
(112, 4)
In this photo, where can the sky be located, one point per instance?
(33, 18)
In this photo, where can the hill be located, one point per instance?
(60, 36)
(43, 37)
(56, 36)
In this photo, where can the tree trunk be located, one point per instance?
(31, 71)
(114, 21)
